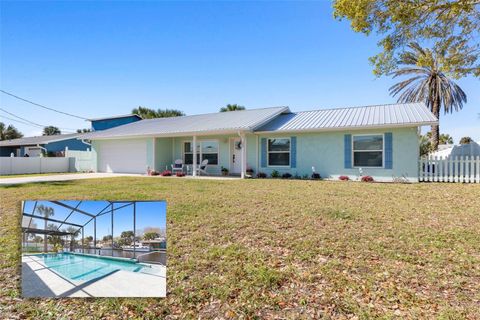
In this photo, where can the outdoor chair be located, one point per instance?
(202, 168)
(177, 166)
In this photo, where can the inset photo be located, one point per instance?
(73, 248)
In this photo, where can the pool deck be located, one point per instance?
(38, 280)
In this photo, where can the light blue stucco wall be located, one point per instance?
(325, 151)
(163, 154)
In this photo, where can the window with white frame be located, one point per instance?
(205, 150)
(368, 150)
(279, 152)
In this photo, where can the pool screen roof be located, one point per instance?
(64, 217)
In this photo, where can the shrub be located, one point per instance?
(316, 176)
(275, 174)
(249, 171)
(367, 179)
(154, 173)
(344, 178)
(286, 175)
(261, 175)
(166, 173)
(180, 174)
(305, 176)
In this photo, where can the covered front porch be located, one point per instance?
(230, 155)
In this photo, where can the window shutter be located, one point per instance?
(263, 152)
(348, 151)
(388, 150)
(293, 152)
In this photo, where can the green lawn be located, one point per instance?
(282, 249)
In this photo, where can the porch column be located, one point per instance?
(244, 155)
(194, 154)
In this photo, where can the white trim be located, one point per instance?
(383, 150)
(386, 126)
(289, 153)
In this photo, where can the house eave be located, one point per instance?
(351, 128)
(174, 135)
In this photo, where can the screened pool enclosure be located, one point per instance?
(124, 229)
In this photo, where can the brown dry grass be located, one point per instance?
(282, 249)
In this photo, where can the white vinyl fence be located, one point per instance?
(452, 169)
(25, 165)
(83, 160)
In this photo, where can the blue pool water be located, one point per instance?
(84, 268)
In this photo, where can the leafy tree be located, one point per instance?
(46, 212)
(147, 113)
(9, 132)
(107, 238)
(51, 131)
(151, 235)
(232, 107)
(451, 25)
(428, 83)
(426, 142)
(466, 140)
(127, 237)
(84, 130)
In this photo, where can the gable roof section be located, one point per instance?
(29, 141)
(202, 124)
(390, 115)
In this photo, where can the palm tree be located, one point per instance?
(74, 232)
(147, 113)
(51, 131)
(429, 83)
(232, 107)
(46, 212)
(9, 132)
(466, 140)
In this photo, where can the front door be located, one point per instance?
(236, 156)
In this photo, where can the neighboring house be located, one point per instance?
(33, 146)
(452, 151)
(383, 140)
(111, 122)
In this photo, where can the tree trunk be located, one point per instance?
(436, 128)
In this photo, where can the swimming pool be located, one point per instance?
(84, 268)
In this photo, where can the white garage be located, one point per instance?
(122, 156)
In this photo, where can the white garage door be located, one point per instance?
(122, 156)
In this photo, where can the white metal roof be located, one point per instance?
(390, 115)
(211, 123)
(29, 141)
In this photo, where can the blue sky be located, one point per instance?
(104, 58)
(148, 214)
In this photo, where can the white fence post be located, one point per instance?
(450, 169)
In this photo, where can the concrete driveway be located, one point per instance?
(64, 177)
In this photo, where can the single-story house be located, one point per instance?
(382, 141)
(33, 146)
